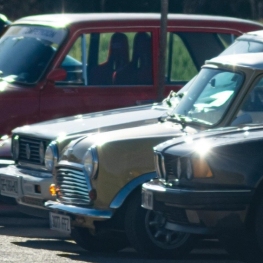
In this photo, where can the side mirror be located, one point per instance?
(57, 74)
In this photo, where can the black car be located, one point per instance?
(212, 183)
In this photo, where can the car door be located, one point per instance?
(105, 70)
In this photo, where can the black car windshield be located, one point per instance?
(208, 97)
(25, 51)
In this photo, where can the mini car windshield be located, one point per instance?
(25, 51)
(209, 97)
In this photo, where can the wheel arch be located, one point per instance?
(129, 188)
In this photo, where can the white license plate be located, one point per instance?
(147, 199)
(10, 186)
(60, 222)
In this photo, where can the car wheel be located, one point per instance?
(246, 244)
(103, 242)
(146, 233)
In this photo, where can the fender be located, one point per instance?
(119, 199)
(5, 153)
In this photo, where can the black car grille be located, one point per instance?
(72, 185)
(29, 150)
(170, 163)
(176, 215)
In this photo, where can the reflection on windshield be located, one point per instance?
(209, 96)
(25, 51)
(242, 47)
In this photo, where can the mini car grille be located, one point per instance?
(72, 185)
(32, 150)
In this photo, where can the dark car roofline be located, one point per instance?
(68, 18)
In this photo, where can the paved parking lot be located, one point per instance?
(29, 239)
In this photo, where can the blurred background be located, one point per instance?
(248, 9)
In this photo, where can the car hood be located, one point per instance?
(146, 136)
(210, 139)
(94, 122)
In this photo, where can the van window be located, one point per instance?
(110, 59)
(187, 51)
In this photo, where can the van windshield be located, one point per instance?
(25, 51)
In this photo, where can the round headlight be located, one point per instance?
(49, 158)
(90, 162)
(15, 147)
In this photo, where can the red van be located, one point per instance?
(65, 64)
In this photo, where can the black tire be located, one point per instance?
(141, 226)
(242, 246)
(104, 242)
(246, 244)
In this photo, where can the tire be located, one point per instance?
(246, 244)
(103, 242)
(147, 235)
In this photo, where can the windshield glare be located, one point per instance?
(25, 51)
(209, 96)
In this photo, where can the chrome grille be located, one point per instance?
(72, 185)
(29, 150)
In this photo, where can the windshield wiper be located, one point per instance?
(186, 120)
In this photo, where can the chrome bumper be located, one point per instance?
(56, 207)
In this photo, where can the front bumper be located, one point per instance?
(198, 211)
(81, 216)
(30, 188)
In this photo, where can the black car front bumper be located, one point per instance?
(198, 211)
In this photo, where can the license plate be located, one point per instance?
(147, 199)
(10, 186)
(60, 222)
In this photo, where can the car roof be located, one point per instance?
(253, 36)
(252, 60)
(63, 20)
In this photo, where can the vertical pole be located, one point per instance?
(162, 50)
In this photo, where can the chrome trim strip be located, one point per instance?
(179, 191)
(157, 168)
(80, 211)
(32, 166)
(163, 167)
(128, 188)
(70, 164)
(188, 229)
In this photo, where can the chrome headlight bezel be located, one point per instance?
(51, 156)
(15, 147)
(91, 163)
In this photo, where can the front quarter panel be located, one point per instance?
(121, 163)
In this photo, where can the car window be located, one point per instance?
(209, 96)
(187, 51)
(118, 58)
(33, 44)
(251, 110)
